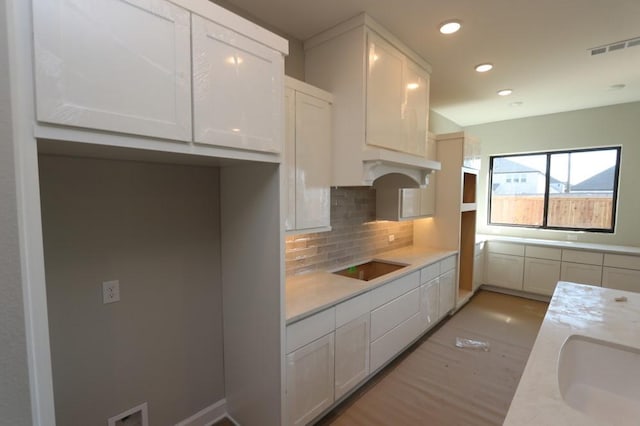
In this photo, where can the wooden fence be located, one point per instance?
(564, 211)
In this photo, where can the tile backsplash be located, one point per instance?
(355, 234)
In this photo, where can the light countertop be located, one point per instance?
(575, 309)
(309, 293)
(577, 245)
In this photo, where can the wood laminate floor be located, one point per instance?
(436, 383)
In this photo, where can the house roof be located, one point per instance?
(503, 165)
(602, 181)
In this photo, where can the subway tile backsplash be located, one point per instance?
(355, 234)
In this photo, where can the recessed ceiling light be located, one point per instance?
(484, 67)
(505, 92)
(450, 27)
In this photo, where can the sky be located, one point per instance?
(583, 164)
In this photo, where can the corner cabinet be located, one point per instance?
(381, 89)
(98, 68)
(307, 157)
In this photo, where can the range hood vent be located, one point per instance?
(380, 162)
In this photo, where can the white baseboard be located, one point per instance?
(208, 415)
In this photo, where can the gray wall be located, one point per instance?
(441, 124)
(15, 408)
(354, 234)
(155, 228)
(613, 125)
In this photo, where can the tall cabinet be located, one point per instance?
(453, 225)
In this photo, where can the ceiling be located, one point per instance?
(538, 48)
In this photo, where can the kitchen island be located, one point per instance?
(592, 380)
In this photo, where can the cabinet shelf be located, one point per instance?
(468, 207)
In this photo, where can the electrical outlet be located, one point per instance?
(392, 238)
(110, 291)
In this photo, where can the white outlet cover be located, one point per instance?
(110, 291)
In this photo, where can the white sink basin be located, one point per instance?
(601, 379)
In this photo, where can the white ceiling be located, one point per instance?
(538, 48)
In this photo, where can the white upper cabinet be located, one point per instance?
(307, 157)
(397, 99)
(381, 107)
(384, 94)
(115, 65)
(237, 89)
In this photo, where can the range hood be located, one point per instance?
(378, 162)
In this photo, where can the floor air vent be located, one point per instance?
(618, 45)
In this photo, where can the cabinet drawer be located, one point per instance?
(578, 256)
(581, 273)
(393, 313)
(310, 329)
(395, 288)
(543, 252)
(448, 264)
(506, 248)
(352, 309)
(429, 272)
(621, 279)
(389, 345)
(622, 261)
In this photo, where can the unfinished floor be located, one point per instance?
(436, 383)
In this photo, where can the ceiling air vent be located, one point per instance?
(618, 45)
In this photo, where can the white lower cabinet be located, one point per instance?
(388, 346)
(310, 380)
(351, 354)
(393, 313)
(447, 290)
(621, 279)
(333, 351)
(541, 275)
(581, 273)
(429, 301)
(505, 270)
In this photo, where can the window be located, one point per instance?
(568, 190)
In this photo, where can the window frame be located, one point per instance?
(545, 212)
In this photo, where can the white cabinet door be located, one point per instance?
(447, 293)
(429, 299)
(478, 270)
(581, 273)
(313, 162)
(541, 275)
(621, 279)
(116, 65)
(415, 109)
(310, 380)
(352, 354)
(237, 89)
(505, 270)
(384, 94)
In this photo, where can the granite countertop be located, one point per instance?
(575, 309)
(577, 245)
(309, 293)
